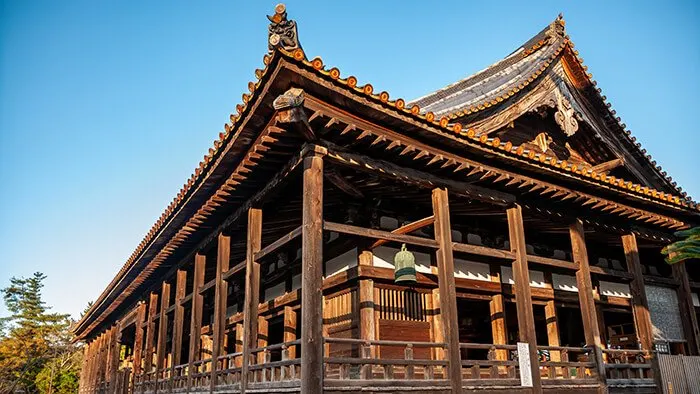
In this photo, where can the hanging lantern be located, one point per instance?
(404, 267)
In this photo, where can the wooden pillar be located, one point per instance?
(499, 331)
(312, 276)
(138, 341)
(585, 295)
(178, 317)
(238, 361)
(262, 338)
(438, 333)
(366, 307)
(196, 315)
(252, 291)
(550, 314)
(150, 332)
(162, 330)
(223, 258)
(290, 329)
(523, 297)
(446, 284)
(114, 358)
(685, 303)
(640, 306)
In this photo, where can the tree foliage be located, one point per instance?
(688, 247)
(34, 339)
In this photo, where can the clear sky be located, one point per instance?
(107, 107)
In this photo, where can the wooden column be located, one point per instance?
(114, 358)
(196, 316)
(252, 291)
(312, 277)
(640, 306)
(223, 258)
(438, 333)
(685, 303)
(178, 319)
(290, 329)
(550, 314)
(150, 332)
(523, 297)
(446, 284)
(499, 331)
(262, 338)
(366, 307)
(162, 329)
(138, 341)
(238, 348)
(585, 294)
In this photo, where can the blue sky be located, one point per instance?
(107, 107)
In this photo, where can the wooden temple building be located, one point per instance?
(533, 219)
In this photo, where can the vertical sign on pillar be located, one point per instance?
(312, 276)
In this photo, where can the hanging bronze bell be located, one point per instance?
(404, 267)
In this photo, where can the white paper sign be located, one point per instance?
(524, 362)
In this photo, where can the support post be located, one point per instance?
(178, 320)
(685, 302)
(499, 332)
(366, 307)
(290, 330)
(262, 338)
(252, 291)
(585, 295)
(523, 296)
(238, 361)
(196, 316)
(446, 284)
(312, 276)
(162, 330)
(150, 332)
(138, 342)
(223, 258)
(640, 306)
(114, 358)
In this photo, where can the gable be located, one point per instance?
(545, 77)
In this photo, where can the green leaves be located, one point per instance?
(684, 249)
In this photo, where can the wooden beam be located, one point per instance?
(278, 243)
(687, 309)
(604, 168)
(585, 295)
(385, 235)
(312, 277)
(446, 284)
(178, 318)
(223, 259)
(640, 305)
(482, 251)
(200, 261)
(343, 185)
(406, 229)
(162, 329)
(252, 291)
(416, 177)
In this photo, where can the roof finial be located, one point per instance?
(556, 28)
(282, 32)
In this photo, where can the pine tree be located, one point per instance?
(32, 335)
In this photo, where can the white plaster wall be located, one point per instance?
(564, 282)
(341, 263)
(472, 270)
(612, 289)
(536, 277)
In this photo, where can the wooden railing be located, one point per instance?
(200, 376)
(628, 367)
(497, 363)
(285, 369)
(362, 365)
(563, 362)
